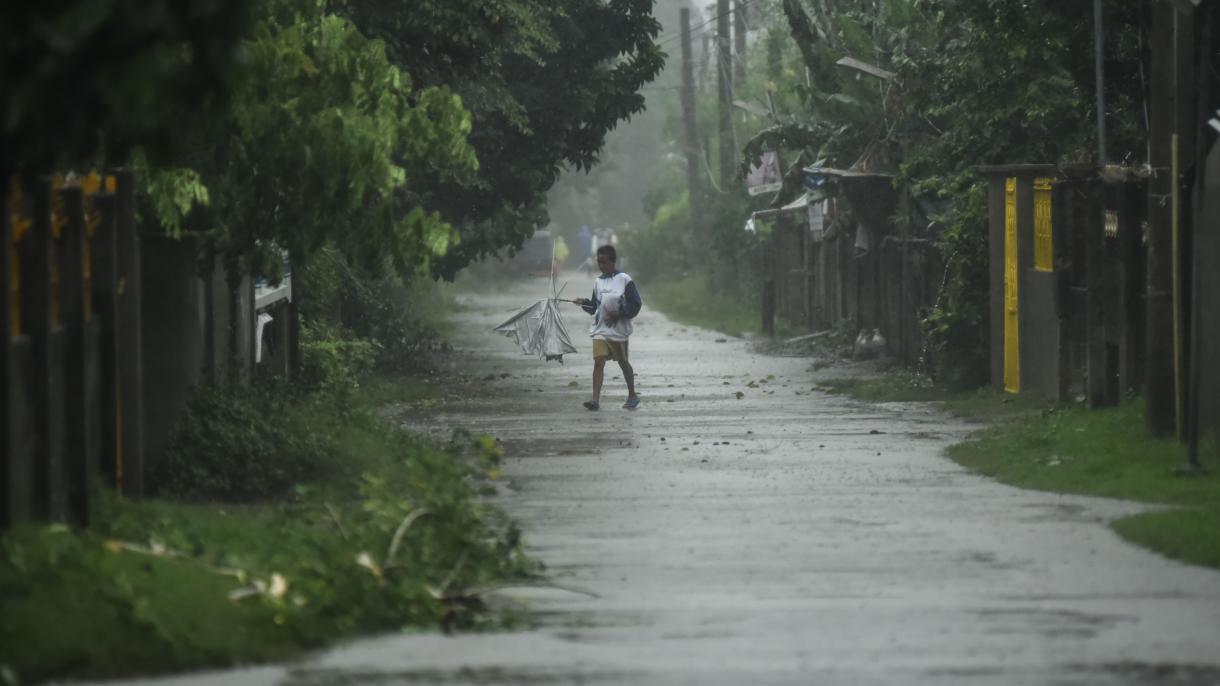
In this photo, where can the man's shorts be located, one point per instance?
(615, 350)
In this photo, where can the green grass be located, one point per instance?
(1071, 449)
(1186, 535)
(899, 386)
(381, 391)
(690, 301)
(908, 386)
(1109, 453)
(146, 588)
(86, 611)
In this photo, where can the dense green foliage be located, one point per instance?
(1009, 83)
(412, 136)
(325, 143)
(85, 79)
(254, 444)
(240, 446)
(386, 532)
(389, 321)
(662, 247)
(973, 82)
(544, 82)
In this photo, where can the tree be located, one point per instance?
(326, 142)
(86, 81)
(544, 82)
(347, 122)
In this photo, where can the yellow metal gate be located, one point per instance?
(1012, 354)
(1044, 253)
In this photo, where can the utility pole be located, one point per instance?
(1207, 178)
(1159, 374)
(1185, 122)
(1099, 74)
(694, 153)
(724, 81)
(705, 58)
(739, 42)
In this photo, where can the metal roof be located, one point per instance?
(845, 173)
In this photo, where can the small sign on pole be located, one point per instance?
(765, 177)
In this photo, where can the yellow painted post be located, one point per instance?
(1012, 350)
(59, 219)
(1044, 255)
(20, 222)
(91, 185)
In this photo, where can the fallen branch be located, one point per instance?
(334, 516)
(402, 530)
(441, 592)
(811, 336)
(530, 584)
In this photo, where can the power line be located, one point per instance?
(665, 40)
(693, 35)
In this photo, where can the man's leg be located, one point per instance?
(629, 377)
(599, 373)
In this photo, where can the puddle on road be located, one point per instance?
(1052, 623)
(1146, 673)
(457, 677)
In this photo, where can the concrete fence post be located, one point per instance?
(768, 307)
(79, 376)
(130, 463)
(6, 344)
(176, 320)
(105, 313)
(45, 390)
(21, 441)
(1097, 370)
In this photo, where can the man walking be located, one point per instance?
(615, 302)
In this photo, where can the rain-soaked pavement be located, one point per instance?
(781, 537)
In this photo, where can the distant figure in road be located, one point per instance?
(584, 245)
(615, 302)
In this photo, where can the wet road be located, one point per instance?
(781, 537)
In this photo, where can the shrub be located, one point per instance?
(332, 360)
(660, 251)
(241, 445)
(354, 305)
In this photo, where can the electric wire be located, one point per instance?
(666, 40)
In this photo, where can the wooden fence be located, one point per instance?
(71, 323)
(844, 263)
(108, 331)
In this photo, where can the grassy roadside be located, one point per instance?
(1071, 449)
(688, 300)
(383, 531)
(904, 386)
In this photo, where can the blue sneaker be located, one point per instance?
(631, 404)
(592, 405)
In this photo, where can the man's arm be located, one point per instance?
(589, 305)
(632, 302)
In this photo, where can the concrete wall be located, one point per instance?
(174, 335)
(196, 330)
(20, 444)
